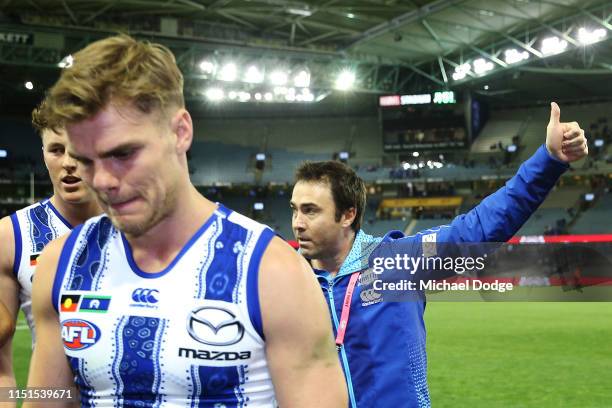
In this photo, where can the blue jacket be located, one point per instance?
(383, 355)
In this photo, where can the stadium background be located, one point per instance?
(271, 83)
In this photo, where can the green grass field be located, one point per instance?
(520, 354)
(502, 354)
(22, 348)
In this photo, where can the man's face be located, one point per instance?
(130, 162)
(314, 220)
(63, 169)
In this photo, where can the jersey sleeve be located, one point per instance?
(499, 216)
(496, 219)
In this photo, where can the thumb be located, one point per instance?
(555, 114)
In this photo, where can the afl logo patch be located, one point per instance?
(79, 334)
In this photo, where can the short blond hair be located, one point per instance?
(143, 74)
(39, 118)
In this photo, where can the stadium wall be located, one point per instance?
(360, 135)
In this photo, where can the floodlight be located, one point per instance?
(254, 75)
(66, 62)
(345, 80)
(512, 56)
(228, 72)
(553, 45)
(214, 94)
(208, 67)
(589, 37)
(278, 78)
(244, 96)
(481, 66)
(461, 71)
(302, 79)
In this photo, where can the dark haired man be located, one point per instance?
(382, 344)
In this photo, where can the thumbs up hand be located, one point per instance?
(565, 140)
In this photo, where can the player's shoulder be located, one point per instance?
(12, 222)
(7, 238)
(7, 222)
(98, 219)
(96, 230)
(6, 227)
(282, 263)
(279, 259)
(24, 210)
(11, 236)
(241, 220)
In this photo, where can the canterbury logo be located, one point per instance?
(145, 295)
(369, 295)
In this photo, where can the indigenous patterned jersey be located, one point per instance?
(190, 335)
(33, 228)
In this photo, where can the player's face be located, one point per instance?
(314, 220)
(63, 169)
(130, 161)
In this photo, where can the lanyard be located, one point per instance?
(346, 310)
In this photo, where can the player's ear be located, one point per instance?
(182, 127)
(348, 217)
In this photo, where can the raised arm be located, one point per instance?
(9, 293)
(499, 216)
(49, 367)
(299, 340)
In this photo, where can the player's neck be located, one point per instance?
(154, 250)
(333, 263)
(74, 213)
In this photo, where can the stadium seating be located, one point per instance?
(494, 132)
(543, 220)
(283, 164)
(214, 163)
(278, 215)
(597, 219)
(563, 197)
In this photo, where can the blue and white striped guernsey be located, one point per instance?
(33, 228)
(190, 335)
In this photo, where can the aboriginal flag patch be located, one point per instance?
(70, 303)
(34, 259)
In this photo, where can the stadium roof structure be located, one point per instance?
(500, 48)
